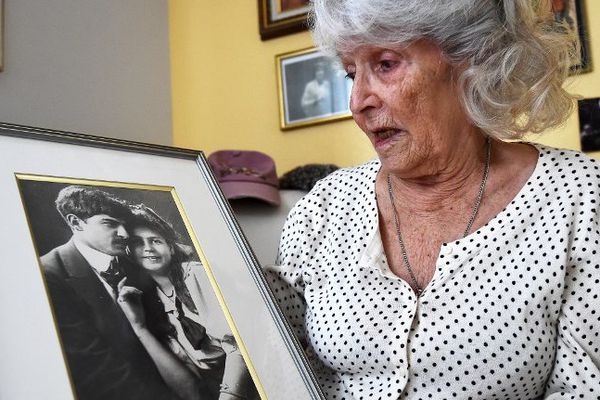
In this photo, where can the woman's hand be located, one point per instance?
(237, 383)
(130, 301)
(174, 372)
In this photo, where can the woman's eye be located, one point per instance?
(350, 75)
(157, 241)
(386, 65)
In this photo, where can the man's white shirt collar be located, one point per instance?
(98, 260)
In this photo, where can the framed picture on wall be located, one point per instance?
(589, 124)
(312, 89)
(281, 17)
(140, 282)
(570, 14)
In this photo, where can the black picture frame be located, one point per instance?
(589, 124)
(574, 15)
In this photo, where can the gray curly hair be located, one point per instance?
(516, 56)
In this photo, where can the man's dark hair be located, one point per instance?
(85, 202)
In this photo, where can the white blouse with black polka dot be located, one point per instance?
(512, 312)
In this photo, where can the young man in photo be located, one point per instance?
(105, 358)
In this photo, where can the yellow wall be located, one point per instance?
(225, 89)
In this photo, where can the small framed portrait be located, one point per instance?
(570, 14)
(281, 17)
(589, 124)
(313, 89)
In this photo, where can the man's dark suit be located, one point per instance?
(105, 358)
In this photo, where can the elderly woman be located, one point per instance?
(457, 264)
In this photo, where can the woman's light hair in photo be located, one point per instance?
(511, 56)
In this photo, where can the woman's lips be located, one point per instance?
(383, 137)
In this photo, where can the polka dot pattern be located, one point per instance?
(512, 311)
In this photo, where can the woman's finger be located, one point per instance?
(121, 284)
(129, 292)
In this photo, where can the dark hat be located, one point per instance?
(306, 176)
(246, 173)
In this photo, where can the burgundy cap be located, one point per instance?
(246, 173)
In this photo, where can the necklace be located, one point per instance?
(169, 296)
(474, 212)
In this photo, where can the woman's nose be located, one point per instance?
(363, 95)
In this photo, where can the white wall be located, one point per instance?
(89, 66)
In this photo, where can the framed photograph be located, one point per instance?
(127, 276)
(313, 89)
(571, 14)
(281, 17)
(589, 124)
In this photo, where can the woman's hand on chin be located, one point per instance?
(130, 301)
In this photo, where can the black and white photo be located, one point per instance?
(312, 89)
(134, 309)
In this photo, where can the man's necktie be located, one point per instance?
(113, 275)
(193, 331)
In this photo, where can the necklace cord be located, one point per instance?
(486, 172)
(470, 222)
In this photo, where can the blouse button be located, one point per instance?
(446, 250)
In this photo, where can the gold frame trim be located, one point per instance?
(45, 284)
(220, 298)
(188, 226)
